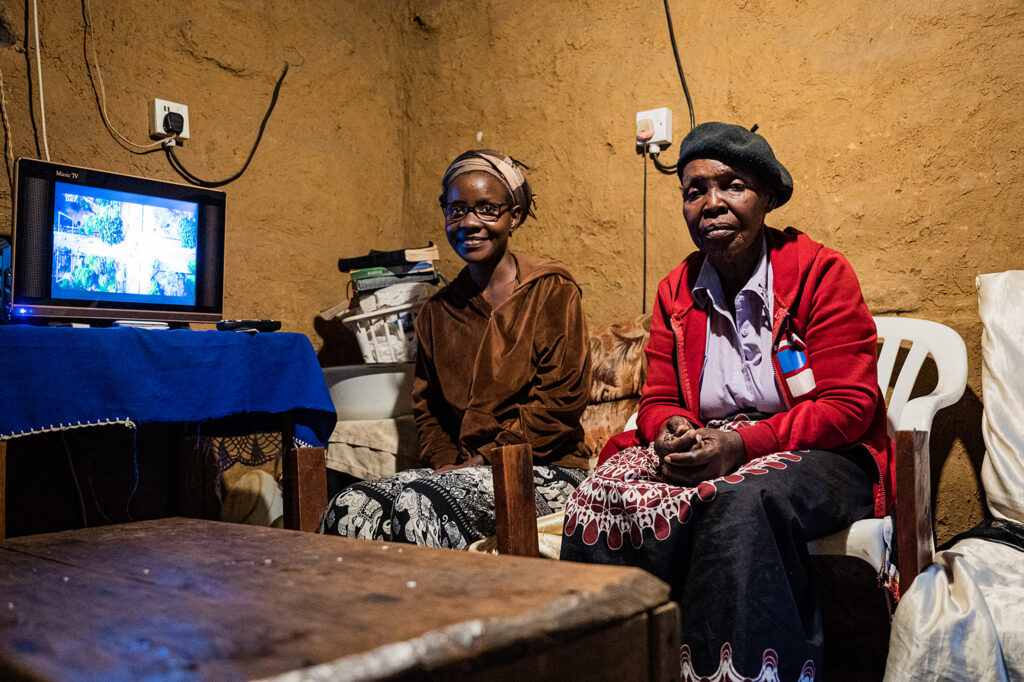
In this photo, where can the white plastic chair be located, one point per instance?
(910, 423)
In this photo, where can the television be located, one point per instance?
(96, 247)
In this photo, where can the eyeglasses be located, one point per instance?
(489, 213)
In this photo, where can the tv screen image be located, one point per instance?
(118, 246)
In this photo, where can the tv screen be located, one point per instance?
(94, 245)
(119, 246)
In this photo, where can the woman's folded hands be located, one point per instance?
(688, 455)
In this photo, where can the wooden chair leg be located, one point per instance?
(304, 483)
(515, 506)
(913, 514)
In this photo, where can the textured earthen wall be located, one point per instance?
(898, 123)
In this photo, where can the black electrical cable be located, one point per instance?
(92, 488)
(643, 308)
(183, 172)
(74, 477)
(679, 65)
(135, 463)
(663, 168)
(667, 170)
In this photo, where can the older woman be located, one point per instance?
(503, 359)
(761, 424)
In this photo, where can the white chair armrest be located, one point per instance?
(949, 351)
(917, 415)
(949, 354)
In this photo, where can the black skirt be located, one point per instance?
(733, 549)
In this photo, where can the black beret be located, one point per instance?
(733, 143)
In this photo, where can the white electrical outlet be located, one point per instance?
(158, 109)
(653, 126)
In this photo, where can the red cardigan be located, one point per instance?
(824, 347)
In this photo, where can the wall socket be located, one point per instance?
(656, 126)
(158, 108)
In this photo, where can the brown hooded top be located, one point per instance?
(517, 374)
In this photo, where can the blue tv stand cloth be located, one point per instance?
(54, 378)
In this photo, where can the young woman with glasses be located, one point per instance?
(503, 359)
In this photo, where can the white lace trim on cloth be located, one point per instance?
(253, 449)
(64, 427)
(727, 672)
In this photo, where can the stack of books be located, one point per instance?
(370, 279)
(379, 269)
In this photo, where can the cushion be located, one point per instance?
(618, 366)
(1002, 353)
(373, 448)
(867, 539)
(601, 421)
(549, 537)
(617, 359)
(255, 499)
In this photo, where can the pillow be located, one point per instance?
(1002, 382)
(617, 359)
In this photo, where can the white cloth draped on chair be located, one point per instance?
(963, 617)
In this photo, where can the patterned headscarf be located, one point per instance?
(505, 168)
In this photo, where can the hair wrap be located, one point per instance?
(505, 168)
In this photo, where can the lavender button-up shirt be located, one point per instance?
(738, 374)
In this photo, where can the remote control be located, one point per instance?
(249, 325)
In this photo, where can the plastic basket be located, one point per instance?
(386, 335)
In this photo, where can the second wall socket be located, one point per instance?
(158, 109)
(658, 124)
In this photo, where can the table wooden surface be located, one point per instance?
(190, 599)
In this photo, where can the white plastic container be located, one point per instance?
(371, 391)
(386, 335)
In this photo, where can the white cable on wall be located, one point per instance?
(103, 92)
(8, 143)
(39, 71)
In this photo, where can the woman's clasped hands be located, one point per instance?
(688, 456)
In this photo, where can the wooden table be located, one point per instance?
(190, 599)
